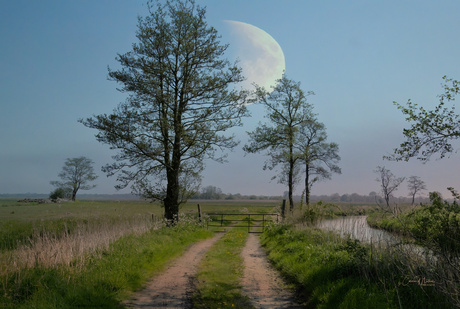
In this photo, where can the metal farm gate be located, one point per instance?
(254, 223)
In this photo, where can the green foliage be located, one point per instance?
(431, 131)
(59, 193)
(319, 210)
(438, 225)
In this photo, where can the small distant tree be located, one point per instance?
(389, 183)
(415, 185)
(76, 174)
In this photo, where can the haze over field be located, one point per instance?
(357, 56)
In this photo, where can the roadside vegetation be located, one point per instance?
(334, 272)
(436, 228)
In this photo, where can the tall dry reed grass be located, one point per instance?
(48, 249)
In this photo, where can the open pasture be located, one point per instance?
(11, 209)
(24, 222)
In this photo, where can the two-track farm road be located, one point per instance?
(174, 287)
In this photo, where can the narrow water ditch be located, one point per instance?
(358, 228)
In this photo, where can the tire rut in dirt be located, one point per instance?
(261, 282)
(174, 287)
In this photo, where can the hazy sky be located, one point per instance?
(357, 56)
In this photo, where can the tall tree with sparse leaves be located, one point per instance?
(181, 101)
(76, 174)
(286, 109)
(320, 158)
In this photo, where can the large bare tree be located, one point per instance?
(181, 101)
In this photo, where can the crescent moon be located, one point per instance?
(260, 55)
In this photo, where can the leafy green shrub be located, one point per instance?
(437, 225)
(59, 193)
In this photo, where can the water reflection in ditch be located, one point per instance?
(357, 227)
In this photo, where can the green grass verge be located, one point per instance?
(105, 279)
(218, 280)
(330, 272)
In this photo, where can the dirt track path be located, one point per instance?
(173, 287)
(261, 283)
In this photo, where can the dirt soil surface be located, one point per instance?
(174, 287)
(261, 282)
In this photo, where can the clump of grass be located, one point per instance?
(102, 278)
(218, 280)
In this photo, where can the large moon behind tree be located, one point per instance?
(260, 56)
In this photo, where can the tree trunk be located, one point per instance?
(74, 191)
(171, 201)
(291, 184)
(307, 189)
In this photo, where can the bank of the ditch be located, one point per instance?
(331, 272)
(105, 278)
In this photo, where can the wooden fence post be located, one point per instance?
(199, 213)
(283, 208)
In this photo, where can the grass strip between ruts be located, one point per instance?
(219, 276)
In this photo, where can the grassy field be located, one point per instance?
(10, 209)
